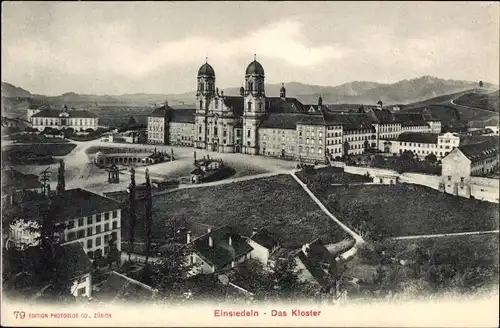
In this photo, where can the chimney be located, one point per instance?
(230, 242)
(188, 237)
(210, 240)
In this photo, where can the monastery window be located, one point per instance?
(249, 105)
(98, 228)
(320, 151)
(80, 222)
(216, 103)
(80, 234)
(98, 241)
(248, 133)
(260, 106)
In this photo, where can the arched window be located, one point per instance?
(201, 104)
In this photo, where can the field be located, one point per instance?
(409, 209)
(487, 101)
(454, 265)
(26, 154)
(277, 203)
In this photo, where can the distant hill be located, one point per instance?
(357, 92)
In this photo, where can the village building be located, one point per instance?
(465, 162)
(90, 219)
(255, 123)
(43, 116)
(217, 250)
(119, 287)
(264, 244)
(72, 267)
(423, 144)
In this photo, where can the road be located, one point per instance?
(444, 235)
(359, 240)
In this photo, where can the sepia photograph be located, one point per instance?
(250, 163)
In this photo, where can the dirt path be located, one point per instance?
(359, 240)
(444, 235)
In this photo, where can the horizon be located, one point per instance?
(495, 86)
(92, 48)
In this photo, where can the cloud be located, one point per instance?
(111, 50)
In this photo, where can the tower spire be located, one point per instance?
(206, 59)
(254, 56)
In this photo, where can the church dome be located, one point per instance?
(206, 70)
(255, 68)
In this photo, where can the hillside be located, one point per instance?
(487, 101)
(9, 90)
(462, 108)
(357, 92)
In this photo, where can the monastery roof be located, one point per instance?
(286, 105)
(350, 121)
(235, 103)
(179, 115)
(411, 119)
(221, 253)
(479, 151)
(430, 138)
(281, 121)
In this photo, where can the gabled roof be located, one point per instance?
(281, 121)
(184, 115)
(320, 263)
(383, 116)
(17, 180)
(411, 119)
(221, 254)
(71, 113)
(480, 151)
(312, 119)
(123, 288)
(349, 121)
(287, 105)
(73, 203)
(71, 260)
(266, 238)
(429, 138)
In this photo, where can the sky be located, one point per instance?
(157, 47)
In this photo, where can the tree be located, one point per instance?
(149, 217)
(378, 161)
(132, 212)
(481, 84)
(366, 145)
(131, 121)
(380, 103)
(431, 158)
(346, 148)
(61, 180)
(68, 132)
(89, 130)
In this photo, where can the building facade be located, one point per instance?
(44, 116)
(464, 162)
(424, 144)
(89, 219)
(254, 123)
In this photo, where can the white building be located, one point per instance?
(467, 161)
(264, 244)
(423, 144)
(88, 218)
(79, 120)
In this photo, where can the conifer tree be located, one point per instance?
(132, 212)
(149, 216)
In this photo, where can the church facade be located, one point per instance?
(254, 123)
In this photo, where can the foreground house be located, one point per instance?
(90, 219)
(264, 244)
(217, 250)
(73, 271)
(119, 287)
